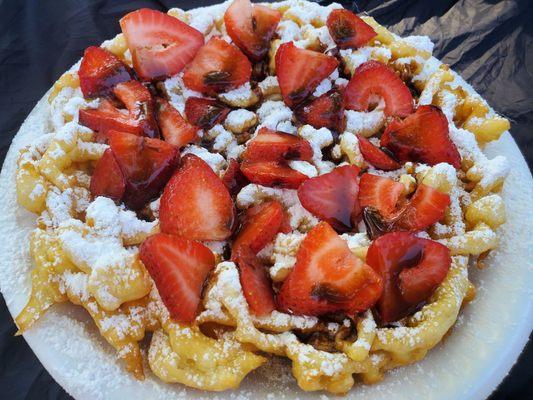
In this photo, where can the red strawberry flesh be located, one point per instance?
(423, 137)
(196, 204)
(348, 30)
(179, 268)
(299, 71)
(411, 269)
(218, 67)
(373, 80)
(160, 45)
(328, 278)
(333, 197)
(251, 27)
(100, 70)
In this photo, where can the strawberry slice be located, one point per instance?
(426, 207)
(411, 269)
(196, 204)
(300, 71)
(423, 136)
(326, 111)
(379, 193)
(205, 113)
(140, 104)
(373, 80)
(100, 70)
(273, 174)
(333, 196)
(107, 179)
(347, 30)
(251, 27)
(376, 156)
(174, 128)
(217, 67)
(233, 178)
(261, 223)
(107, 117)
(271, 145)
(160, 45)
(179, 268)
(328, 278)
(146, 164)
(255, 282)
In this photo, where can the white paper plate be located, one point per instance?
(469, 364)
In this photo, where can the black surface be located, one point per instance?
(489, 42)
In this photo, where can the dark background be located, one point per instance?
(490, 43)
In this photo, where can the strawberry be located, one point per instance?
(376, 156)
(270, 145)
(107, 117)
(300, 71)
(348, 30)
(422, 136)
(255, 282)
(179, 268)
(107, 179)
(251, 27)
(205, 113)
(411, 269)
(328, 278)
(196, 204)
(426, 207)
(373, 80)
(326, 111)
(333, 196)
(140, 104)
(146, 164)
(100, 70)
(272, 173)
(174, 128)
(233, 178)
(160, 45)
(379, 193)
(218, 67)
(260, 225)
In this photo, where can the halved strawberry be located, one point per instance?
(179, 268)
(300, 71)
(273, 174)
(348, 30)
(100, 70)
(233, 178)
(426, 207)
(160, 45)
(140, 104)
(328, 278)
(107, 179)
(271, 145)
(333, 196)
(217, 67)
(379, 193)
(373, 80)
(255, 282)
(205, 113)
(251, 27)
(174, 128)
(146, 164)
(260, 224)
(376, 156)
(196, 204)
(107, 117)
(411, 269)
(326, 111)
(423, 136)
